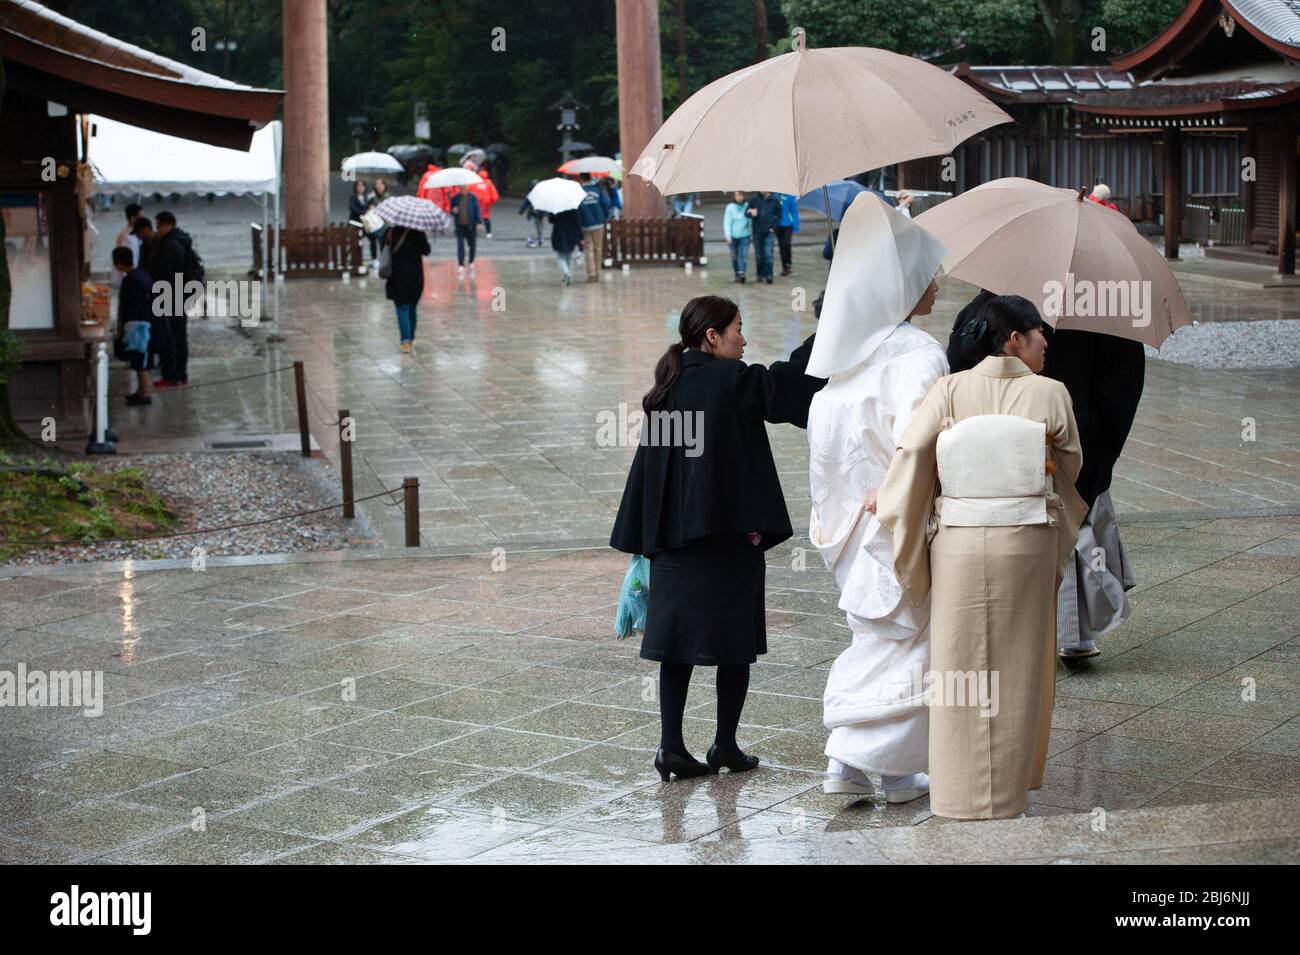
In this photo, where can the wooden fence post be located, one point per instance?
(411, 507)
(345, 461)
(300, 385)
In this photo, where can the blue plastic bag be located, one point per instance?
(633, 597)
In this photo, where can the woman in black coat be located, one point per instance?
(405, 282)
(703, 503)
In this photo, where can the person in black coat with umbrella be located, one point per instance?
(405, 284)
(703, 503)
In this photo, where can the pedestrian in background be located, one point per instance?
(173, 259)
(127, 239)
(765, 210)
(405, 284)
(467, 215)
(534, 220)
(592, 214)
(358, 205)
(684, 205)
(135, 321)
(786, 229)
(566, 233)
(487, 198)
(736, 229)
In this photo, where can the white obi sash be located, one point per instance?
(993, 472)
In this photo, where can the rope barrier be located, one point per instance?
(222, 381)
(320, 405)
(201, 530)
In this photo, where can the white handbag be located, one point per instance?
(371, 222)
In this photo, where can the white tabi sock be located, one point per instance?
(914, 781)
(843, 771)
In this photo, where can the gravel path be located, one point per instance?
(215, 489)
(1262, 344)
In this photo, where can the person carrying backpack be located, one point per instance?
(172, 254)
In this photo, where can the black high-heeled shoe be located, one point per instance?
(733, 759)
(682, 766)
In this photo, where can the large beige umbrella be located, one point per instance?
(796, 122)
(1085, 266)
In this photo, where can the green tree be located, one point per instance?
(1131, 23)
(981, 31)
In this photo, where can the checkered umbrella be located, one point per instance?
(411, 212)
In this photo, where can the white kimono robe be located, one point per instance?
(874, 701)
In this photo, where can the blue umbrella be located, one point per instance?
(839, 194)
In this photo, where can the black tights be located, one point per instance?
(675, 680)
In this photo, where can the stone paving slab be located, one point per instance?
(513, 409)
(452, 722)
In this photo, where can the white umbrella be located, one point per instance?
(370, 163)
(556, 195)
(1084, 266)
(453, 176)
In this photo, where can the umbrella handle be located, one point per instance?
(830, 226)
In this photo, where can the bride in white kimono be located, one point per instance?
(880, 368)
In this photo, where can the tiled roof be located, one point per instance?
(1184, 94)
(1044, 84)
(39, 25)
(1053, 78)
(1279, 19)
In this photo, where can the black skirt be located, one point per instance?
(706, 603)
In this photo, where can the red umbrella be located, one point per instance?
(567, 170)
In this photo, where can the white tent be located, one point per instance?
(133, 161)
(129, 160)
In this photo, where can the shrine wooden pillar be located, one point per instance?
(1173, 189)
(1286, 199)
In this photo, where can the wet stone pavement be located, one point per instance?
(468, 702)
(434, 709)
(514, 410)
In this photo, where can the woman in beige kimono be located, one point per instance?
(981, 501)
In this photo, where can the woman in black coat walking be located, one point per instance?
(405, 282)
(703, 503)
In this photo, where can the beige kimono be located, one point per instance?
(992, 572)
